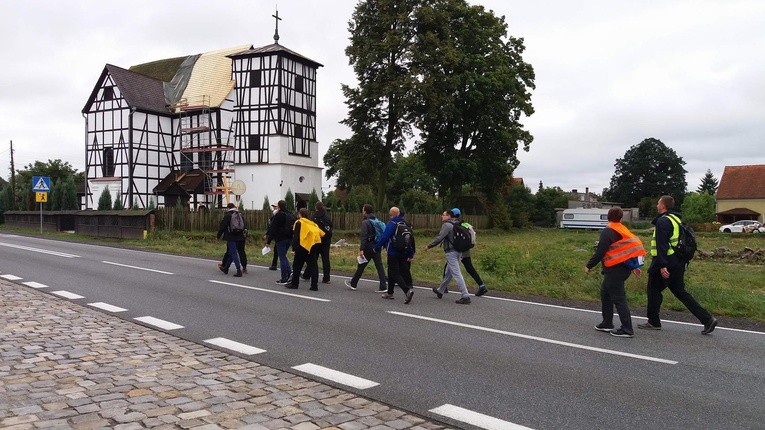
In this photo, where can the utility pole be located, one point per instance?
(13, 180)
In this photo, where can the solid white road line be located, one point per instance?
(43, 251)
(476, 419)
(107, 307)
(538, 339)
(266, 290)
(10, 277)
(156, 322)
(235, 346)
(336, 376)
(138, 268)
(35, 284)
(67, 294)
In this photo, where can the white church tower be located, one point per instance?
(275, 123)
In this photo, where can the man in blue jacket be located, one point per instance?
(398, 269)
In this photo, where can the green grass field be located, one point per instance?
(535, 262)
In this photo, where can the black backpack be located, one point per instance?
(462, 240)
(402, 239)
(686, 243)
(324, 223)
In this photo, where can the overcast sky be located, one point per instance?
(609, 73)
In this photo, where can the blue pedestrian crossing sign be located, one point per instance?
(40, 184)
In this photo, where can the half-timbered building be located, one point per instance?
(239, 114)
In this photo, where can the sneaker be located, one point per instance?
(348, 284)
(238, 274)
(439, 295)
(282, 282)
(463, 301)
(604, 327)
(222, 269)
(709, 327)
(314, 288)
(244, 270)
(409, 295)
(290, 286)
(326, 282)
(387, 296)
(481, 291)
(621, 333)
(272, 268)
(382, 290)
(649, 326)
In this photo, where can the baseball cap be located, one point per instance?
(456, 212)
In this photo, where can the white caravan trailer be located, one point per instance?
(584, 218)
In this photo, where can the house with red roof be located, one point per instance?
(741, 194)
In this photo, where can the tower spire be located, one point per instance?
(276, 33)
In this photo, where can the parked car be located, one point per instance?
(738, 226)
(754, 228)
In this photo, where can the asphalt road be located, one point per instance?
(494, 364)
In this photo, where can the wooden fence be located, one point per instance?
(257, 220)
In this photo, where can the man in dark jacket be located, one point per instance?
(367, 251)
(231, 237)
(322, 219)
(281, 234)
(398, 269)
(668, 271)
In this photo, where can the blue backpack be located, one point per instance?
(379, 227)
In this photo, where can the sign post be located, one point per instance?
(41, 187)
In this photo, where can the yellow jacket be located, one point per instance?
(310, 233)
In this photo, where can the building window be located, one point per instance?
(253, 142)
(186, 162)
(298, 131)
(255, 77)
(108, 162)
(299, 84)
(108, 93)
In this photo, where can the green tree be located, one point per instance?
(415, 201)
(358, 197)
(312, 200)
(647, 207)
(381, 36)
(57, 170)
(332, 202)
(105, 200)
(520, 204)
(6, 199)
(55, 196)
(289, 198)
(266, 204)
(708, 183)
(698, 207)
(546, 201)
(408, 174)
(648, 169)
(69, 199)
(473, 89)
(117, 206)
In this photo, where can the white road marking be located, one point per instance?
(10, 277)
(138, 268)
(43, 251)
(336, 376)
(476, 419)
(156, 322)
(266, 290)
(67, 294)
(107, 307)
(235, 346)
(35, 284)
(538, 339)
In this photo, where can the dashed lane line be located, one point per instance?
(336, 376)
(156, 322)
(138, 268)
(43, 251)
(266, 290)
(538, 339)
(67, 294)
(474, 418)
(235, 346)
(35, 284)
(107, 307)
(11, 277)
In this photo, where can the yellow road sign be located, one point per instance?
(41, 197)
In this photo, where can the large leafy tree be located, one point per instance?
(473, 89)
(699, 207)
(648, 169)
(545, 202)
(708, 183)
(379, 106)
(57, 170)
(408, 174)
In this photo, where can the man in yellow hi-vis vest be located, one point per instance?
(668, 271)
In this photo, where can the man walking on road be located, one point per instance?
(399, 241)
(668, 271)
(466, 259)
(448, 218)
(281, 233)
(232, 234)
(306, 243)
(367, 240)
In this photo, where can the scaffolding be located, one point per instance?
(201, 147)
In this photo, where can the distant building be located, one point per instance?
(741, 194)
(182, 130)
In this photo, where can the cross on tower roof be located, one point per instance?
(276, 33)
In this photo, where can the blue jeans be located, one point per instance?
(281, 250)
(233, 254)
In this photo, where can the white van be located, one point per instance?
(584, 218)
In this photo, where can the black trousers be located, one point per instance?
(398, 273)
(275, 259)
(325, 265)
(370, 254)
(309, 259)
(612, 293)
(676, 284)
(242, 256)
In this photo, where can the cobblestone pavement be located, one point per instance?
(66, 366)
